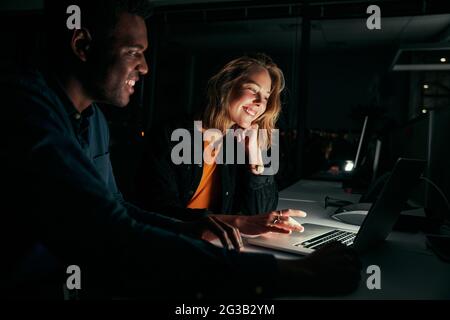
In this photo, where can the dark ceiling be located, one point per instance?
(335, 24)
(325, 34)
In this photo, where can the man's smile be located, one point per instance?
(130, 85)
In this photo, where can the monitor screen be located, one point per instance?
(439, 163)
(411, 141)
(427, 138)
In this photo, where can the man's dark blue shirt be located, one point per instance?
(91, 131)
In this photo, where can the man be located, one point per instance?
(61, 203)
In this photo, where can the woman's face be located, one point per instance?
(249, 99)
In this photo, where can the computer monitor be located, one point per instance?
(411, 141)
(439, 164)
(427, 138)
(366, 160)
(362, 139)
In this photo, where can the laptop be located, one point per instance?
(375, 228)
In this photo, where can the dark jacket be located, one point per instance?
(60, 208)
(167, 187)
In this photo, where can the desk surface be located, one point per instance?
(409, 270)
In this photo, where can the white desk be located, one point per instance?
(408, 269)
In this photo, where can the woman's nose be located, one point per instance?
(258, 99)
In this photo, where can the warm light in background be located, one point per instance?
(142, 133)
(349, 165)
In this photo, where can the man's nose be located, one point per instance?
(143, 67)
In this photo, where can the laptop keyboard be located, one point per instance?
(336, 235)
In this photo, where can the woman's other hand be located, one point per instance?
(280, 221)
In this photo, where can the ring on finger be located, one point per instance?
(277, 217)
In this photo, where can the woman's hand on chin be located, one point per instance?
(249, 137)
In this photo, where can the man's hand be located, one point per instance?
(332, 269)
(211, 228)
(276, 221)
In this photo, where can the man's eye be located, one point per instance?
(133, 53)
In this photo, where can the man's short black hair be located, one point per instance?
(98, 16)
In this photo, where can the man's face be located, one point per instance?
(114, 72)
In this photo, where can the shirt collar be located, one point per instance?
(70, 109)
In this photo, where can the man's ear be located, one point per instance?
(80, 43)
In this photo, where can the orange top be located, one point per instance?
(207, 195)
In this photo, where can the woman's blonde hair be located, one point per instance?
(228, 79)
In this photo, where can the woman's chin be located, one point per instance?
(244, 125)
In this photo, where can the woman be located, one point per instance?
(245, 96)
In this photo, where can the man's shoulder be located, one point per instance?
(29, 95)
(28, 79)
(27, 88)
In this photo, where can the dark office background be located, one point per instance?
(337, 72)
